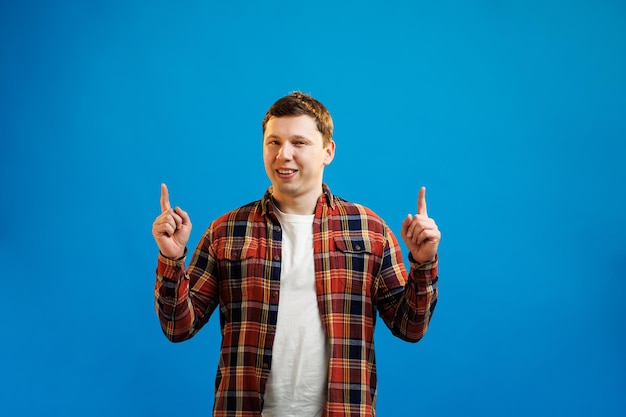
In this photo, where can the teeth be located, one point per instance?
(286, 171)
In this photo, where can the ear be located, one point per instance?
(329, 152)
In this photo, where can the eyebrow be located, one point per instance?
(289, 138)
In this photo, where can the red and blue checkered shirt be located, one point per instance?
(359, 273)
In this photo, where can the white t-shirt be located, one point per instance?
(298, 381)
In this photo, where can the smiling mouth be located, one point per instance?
(286, 171)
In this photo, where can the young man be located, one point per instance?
(299, 277)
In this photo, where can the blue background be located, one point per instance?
(512, 113)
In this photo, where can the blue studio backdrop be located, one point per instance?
(512, 113)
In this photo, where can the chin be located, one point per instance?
(287, 189)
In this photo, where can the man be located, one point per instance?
(299, 277)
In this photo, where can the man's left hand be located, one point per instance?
(420, 233)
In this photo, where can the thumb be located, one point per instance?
(184, 216)
(405, 225)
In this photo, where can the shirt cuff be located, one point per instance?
(425, 266)
(425, 273)
(171, 268)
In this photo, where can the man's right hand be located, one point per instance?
(171, 229)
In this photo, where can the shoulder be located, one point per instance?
(343, 206)
(242, 212)
(356, 216)
(356, 226)
(237, 221)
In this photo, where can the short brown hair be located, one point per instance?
(298, 103)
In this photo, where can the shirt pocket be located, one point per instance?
(241, 272)
(353, 264)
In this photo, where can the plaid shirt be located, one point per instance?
(359, 273)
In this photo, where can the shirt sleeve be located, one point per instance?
(406, 302)
(185, 298)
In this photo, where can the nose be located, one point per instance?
(285, 152)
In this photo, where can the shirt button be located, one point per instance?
(357, 247)
(277, 229)
(266, 366)
(277, 258)
(274, 294)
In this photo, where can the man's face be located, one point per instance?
(295, 157)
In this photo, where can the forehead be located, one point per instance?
(287, 126)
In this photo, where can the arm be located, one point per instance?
(406, 304)
(184, 300)
(180, 297)
(407, 309)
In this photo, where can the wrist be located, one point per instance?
(175, 257)
(422, 261)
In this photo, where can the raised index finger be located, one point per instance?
(421, 202)
(165, 199)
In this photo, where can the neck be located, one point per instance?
(304, 204)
